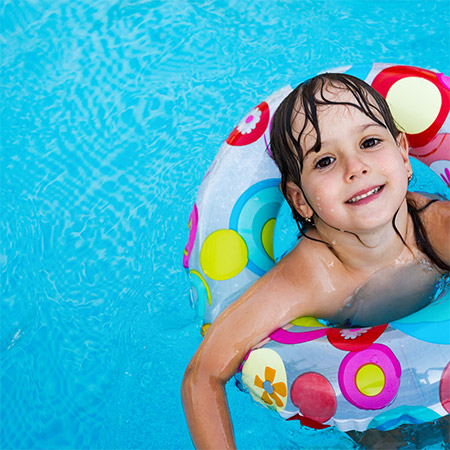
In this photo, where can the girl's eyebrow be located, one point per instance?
(359, 129)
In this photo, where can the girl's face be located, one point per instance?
(359, 178)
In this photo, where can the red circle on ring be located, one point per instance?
(314, 396)
(366, 339)
(236, 138)
(444, 388)
(389, 76)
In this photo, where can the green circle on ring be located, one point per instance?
(267, 237)
(223, 255)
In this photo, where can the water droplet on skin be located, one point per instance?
(332, 243)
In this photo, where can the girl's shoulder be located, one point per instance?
(310, 260)
(433, 210)
(313, 268)
(422, 199)
(435, 216)
(313, 252)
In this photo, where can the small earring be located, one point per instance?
(308, 219)
(409, 176)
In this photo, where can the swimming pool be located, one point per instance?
(111, 114)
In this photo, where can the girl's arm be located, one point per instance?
(270, 303)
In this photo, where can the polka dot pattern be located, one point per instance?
(192, 225)
(223, 255)
(200, 292)
(370, 380)
(404, 106)
(444, 388)
(405, 414)
(251, 127)
(354, 339)
(418, 99)
(265, 375)
(378, 381)
(314, 396)
(350, 378)
(267, 237)
(253, 217)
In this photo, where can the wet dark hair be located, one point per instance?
(288, 153)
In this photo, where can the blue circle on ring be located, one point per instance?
(252, 210)
(201, 292)
(429, 324)
(393, 418)
(360, 71)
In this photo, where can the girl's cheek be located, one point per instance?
(318, 202)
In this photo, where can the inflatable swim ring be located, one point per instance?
(354, 379)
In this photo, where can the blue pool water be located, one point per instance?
(111, 112)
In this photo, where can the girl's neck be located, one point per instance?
(374, 249)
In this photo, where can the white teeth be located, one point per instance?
(360, 197)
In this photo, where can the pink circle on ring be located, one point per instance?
(193, 221)
(285, 337)
(444, 79)
(383, 357)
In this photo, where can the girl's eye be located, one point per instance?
(371, 142)
(324, 162)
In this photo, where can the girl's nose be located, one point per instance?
(355, 168)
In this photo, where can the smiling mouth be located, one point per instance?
(363, 196)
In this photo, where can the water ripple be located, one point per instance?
(111, 113)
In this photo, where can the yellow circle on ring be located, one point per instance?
(307, 321)
(223, 255)
(370, 380)
(267, 237)
(415, 103)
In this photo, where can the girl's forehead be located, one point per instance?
(329, 119)
(338, 114)
(330, 116)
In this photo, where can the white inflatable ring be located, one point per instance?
(354, 379)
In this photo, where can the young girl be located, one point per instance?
(345, 171)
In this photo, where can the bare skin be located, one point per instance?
(313, 280)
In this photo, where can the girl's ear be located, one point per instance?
(403, 145)
(297, 199)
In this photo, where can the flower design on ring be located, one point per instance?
(271, 390)
(249, 122)
(352, 333)
(446, 176)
